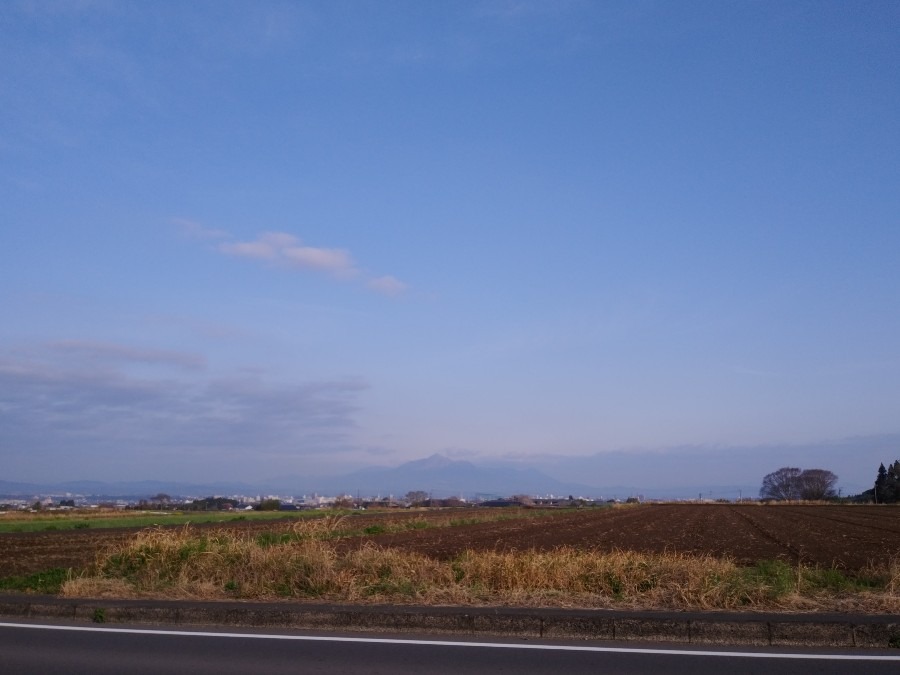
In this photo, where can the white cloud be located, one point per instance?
(387, 285)
(195, 230)
(260, 250)
(287, 250)
(279, 240)
(333, 260)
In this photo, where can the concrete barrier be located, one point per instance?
(700, 628)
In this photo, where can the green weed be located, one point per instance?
(49, 581)
(776, 577)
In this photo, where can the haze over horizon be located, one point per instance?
(243, 240)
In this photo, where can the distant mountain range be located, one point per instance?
(437, 475)
(443, 477)
(121, 489)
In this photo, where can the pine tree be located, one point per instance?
(892, 484)
(880, 486)
(887, 484)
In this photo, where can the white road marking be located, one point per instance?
(445, 643)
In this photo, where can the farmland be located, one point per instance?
(846, 537)
(26, 547)
(675, 555)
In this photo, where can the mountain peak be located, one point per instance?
(436, 461)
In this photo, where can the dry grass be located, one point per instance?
(306, 564)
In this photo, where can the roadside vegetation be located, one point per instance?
(47, 582)
(305, 561)
(76, 520)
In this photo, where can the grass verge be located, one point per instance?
(50, 582)
(80, 520)
(308, 565)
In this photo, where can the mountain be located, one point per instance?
(122, 489)
(441, 476)
(437, 475)
(17, 489)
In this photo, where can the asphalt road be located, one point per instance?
(69, 648)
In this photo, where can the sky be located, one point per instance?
(241, 240)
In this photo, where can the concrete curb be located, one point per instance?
(702, 628)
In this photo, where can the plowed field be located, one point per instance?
(849, 537)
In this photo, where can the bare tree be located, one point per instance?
(817, 484)
(343, 502)
(792, 483)
(781, 484)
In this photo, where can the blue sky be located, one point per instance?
(246, 239)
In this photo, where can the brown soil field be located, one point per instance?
(847, 537)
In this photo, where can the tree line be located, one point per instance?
(790, 483)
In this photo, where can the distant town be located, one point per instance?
(275, 502)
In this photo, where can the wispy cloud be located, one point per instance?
(195, 230)
(387, 285)
(88, 351)
(287, 250)
(80, 417)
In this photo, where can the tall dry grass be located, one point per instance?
(307, 564)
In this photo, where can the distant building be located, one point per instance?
(551, 501)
